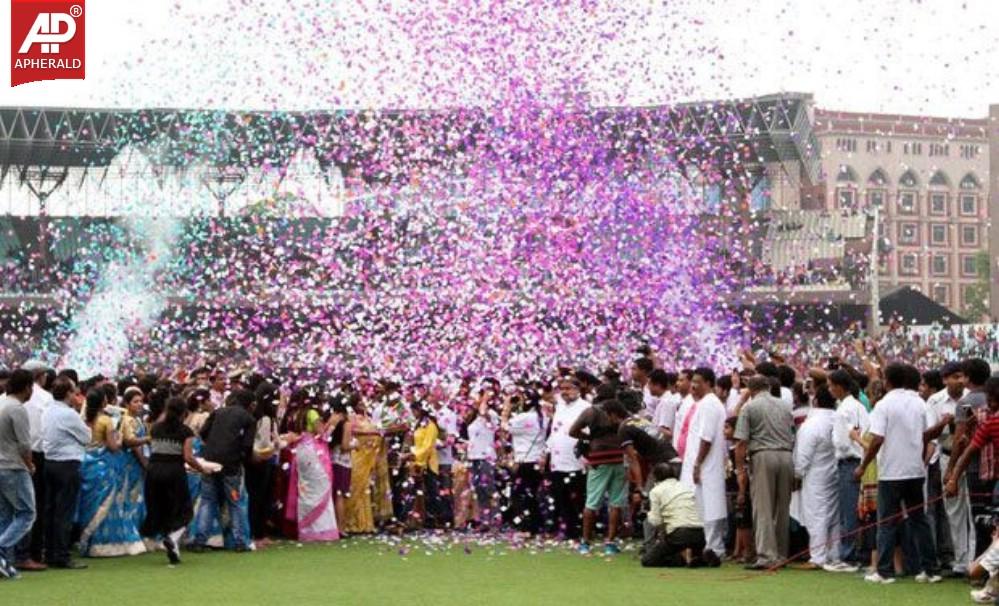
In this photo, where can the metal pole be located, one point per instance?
(875, 324)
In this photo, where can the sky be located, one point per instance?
(933, 57)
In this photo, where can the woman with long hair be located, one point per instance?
(135, 438)
(524, 421)
(341, 443)
(309, 511)
(107, 530)
(169, 508)
(260, 471)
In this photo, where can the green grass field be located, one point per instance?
(417, 572)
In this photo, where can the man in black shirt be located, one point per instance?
(643, 450)
(228, 436)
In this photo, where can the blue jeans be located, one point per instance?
(849, 493)
(215, 490)
(895, 496)
(17, 509)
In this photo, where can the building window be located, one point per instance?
(969, 152)
(878, 178)
(846, 145)
(876, 198)
(937, 149)
(941, 294)
(938, 203)
(909, 264)
(939, 265)
(846, 198)
(969, 266)
(969, 205)
(908, 233)
(938, 234)
(969, 235)
(907, 203)
(872, 146)
(970, 181)
(888, 146)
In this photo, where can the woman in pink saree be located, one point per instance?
(309, 505)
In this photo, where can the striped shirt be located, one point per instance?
(987, 433)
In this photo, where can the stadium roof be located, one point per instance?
(740, 134)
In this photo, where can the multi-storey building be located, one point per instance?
(929, 178)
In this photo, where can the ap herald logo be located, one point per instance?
(46, 41)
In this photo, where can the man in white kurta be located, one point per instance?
(704, 456)
(815, 466)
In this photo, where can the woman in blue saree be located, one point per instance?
(107, 530)
(135, 438)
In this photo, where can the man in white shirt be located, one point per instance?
(29, 551)
(851, 416)
(703, 448)
(641, 369)
(217, 392)
(898, 424)
(815, 466)
(448, 425)
(64, 441)
(957, 510)
(567, 477)
(669, 402)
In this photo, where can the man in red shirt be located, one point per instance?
(986, 433)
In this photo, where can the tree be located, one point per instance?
(976, 304)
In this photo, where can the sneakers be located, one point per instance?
(839, 567)
(173, 553)
(611, 549)
(878, 579)
(923, 577)
(584, 549)
(8, 571)
(983, 596)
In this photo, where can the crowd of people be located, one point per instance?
(837, 468)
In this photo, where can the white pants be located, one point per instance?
(821, 530)
(962, 525)
(714, 536)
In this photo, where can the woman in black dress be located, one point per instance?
(168, 502)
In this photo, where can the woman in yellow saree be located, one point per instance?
(359, 512)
